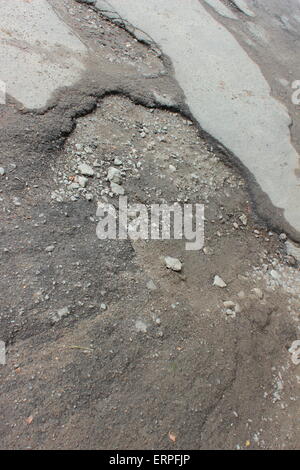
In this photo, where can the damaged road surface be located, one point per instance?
(125, 344)
(225, 89)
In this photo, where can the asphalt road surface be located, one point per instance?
(126, 343)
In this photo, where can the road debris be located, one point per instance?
(86, 170)
(114, 175)
(218, 281)
(173, 263)
(117, 189)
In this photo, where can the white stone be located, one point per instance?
(173, 263)
(117, 189)
(275, 274)
(81, 180)
(85, 169)
(243, 218)
(218, 281)
(114, 175)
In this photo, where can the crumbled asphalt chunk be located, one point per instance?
(89, 197)
(85, 169)
(114, 175)
(218, 281)
(117, 189)
(173, 263)
(244, 219)
(82, 181)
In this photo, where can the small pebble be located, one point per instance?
(218, 281)
(114, 175)
(85, 169)
(117, 189)
(173, 263)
